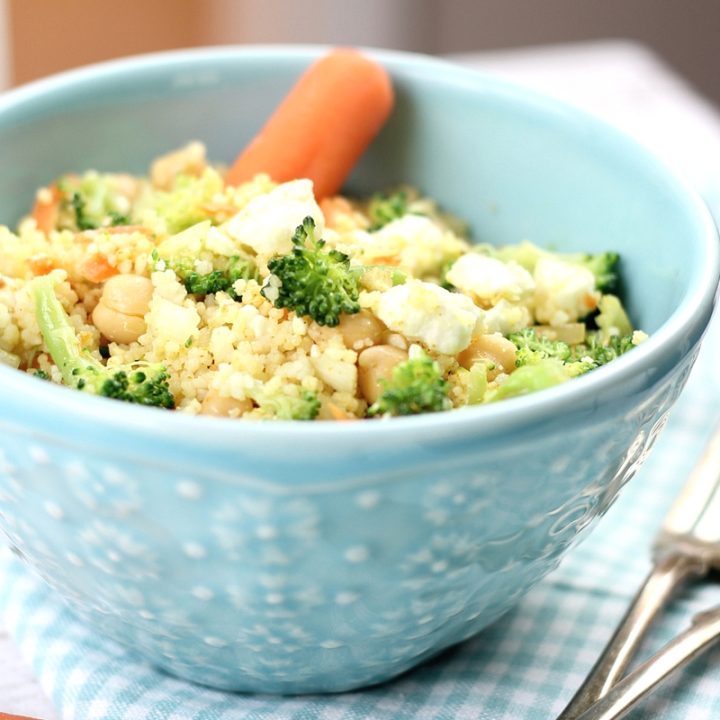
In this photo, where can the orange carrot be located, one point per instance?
(323, 126)
(392, 260)
(40, 265)
(338, 413)
(45, 210)
(97, 268)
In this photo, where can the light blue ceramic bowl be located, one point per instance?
(288, 557)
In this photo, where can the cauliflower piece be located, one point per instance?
(427, 313)
(414, 243)
(488, 280)
(267, 223)
(336, 366)
(564, 292)
(172, 322)
(172, 316)
(505, 318)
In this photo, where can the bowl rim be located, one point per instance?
(698, 298)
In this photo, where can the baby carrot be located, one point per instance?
(323, 126)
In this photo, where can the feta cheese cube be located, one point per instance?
(267, 223)
(427, 313)
(488, 280)
(564, 292)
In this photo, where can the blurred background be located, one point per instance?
(44, 36)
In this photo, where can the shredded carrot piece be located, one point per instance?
(120, 229)
(46, 208)
(338, 413)
(387, 260)
(41, 265)
(213, 209)
(97, 268)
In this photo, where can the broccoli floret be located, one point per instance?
(142, 384)
(84, 221)
(287, 407)
(612, 320)
(197, 284)
(186, 203)
(81, 219)
(531, 378)
(604, 266)
(41, 374)
(383, 209)
(416, 386)
(181, 253)
(602, 352)
(218, 280)
(92, 201)
(532, 348)
(312, 282)
(117, 218)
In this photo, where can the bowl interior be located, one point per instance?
(513, 165)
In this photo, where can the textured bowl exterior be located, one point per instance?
(242, 584)
(292, 557)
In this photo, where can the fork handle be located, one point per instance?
(704, 632)
(667, 575)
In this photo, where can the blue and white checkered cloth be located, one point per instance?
(527, 665)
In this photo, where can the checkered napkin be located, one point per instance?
(527, 665)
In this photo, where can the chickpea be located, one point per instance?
(219, 406)
(361, 330)
(128, 294)
(495, 348)
(116, 326)
(119, 314)
(374, 364)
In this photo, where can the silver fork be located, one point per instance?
(687, 546)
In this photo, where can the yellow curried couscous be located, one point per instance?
(232, 294)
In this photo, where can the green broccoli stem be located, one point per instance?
(59, 335)
(141, 383)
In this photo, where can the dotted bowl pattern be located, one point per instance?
(248, 587)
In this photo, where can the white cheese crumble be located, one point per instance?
(169, 321)
(505, 318)
(564, 292)
(415, 244)
(336, 367)
(427, 313)
(267, 223)
(488, 280)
